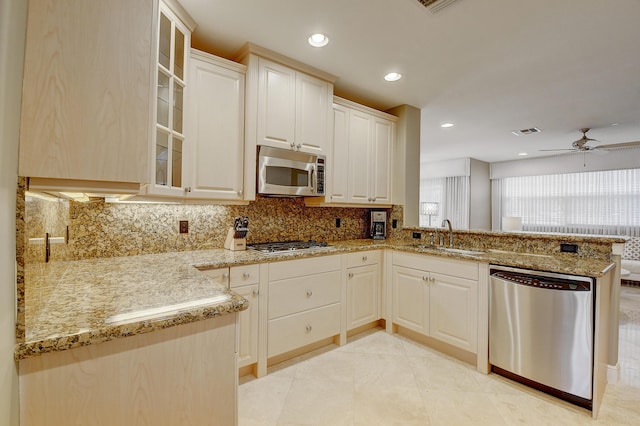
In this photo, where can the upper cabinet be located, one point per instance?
(214, 128)
(360, 172)
(171, 79)
(87, 92)
(288, 106)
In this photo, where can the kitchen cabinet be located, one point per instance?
(97, 75)
(243, 280)
(171, 80)
(437, 297)
(293, 109)
(87, 93)
(214, 128)
(304, 302)
(180, 375)
(363, 288)
(362, 155)
(288, 106)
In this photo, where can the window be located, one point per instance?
(602, 202)
(452, 197)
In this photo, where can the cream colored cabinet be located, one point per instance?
(453, 310)
(303, 302)
(437, 297)
(363, 288)
(214, 128)
(244, 280)
(362, 155)
(87, 93)
(293, 109)
(171, 80)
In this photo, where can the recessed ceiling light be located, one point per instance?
(446, 125)
(393, 76)
(523, 154)
(615, 124)
(318, 40)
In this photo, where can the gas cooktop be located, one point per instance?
(288, 246)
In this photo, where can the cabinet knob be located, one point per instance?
(239, 193)
(432, 279)
(350, 274)
(425, 278)
(225, 276)
(256, 292)
(298, 146)
(308, 328)
(309, 293)
(246, 275)
(187, 189)
(364, 258)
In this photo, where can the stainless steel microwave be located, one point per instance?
(290, 173)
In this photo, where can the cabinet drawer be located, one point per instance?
(294, 331)
(299, 294)
(244, 275)
(302, 267)
(220, 275)
(363, 258)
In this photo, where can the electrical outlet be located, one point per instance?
(394, 223)
(337, 222)
(568, 248)
(184, 226)
(417, 235)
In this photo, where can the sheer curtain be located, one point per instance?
(452, 196)
(602, 202)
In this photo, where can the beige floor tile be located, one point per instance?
(335, 365)
(461, 408)
(538, 410)
(260, 401)
(383, 370)
(318, 402)
(443, 374)
(380, 405)
(379, 343)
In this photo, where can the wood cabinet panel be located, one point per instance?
(181, 375)
(276, 105)
(299, 294)
(363, 290)
(248, 326)
(410, 299)
(88, 76)
(302, 267)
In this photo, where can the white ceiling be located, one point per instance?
(488, 66)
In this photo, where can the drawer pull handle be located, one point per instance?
(425, 278)
(364, 258)
(256, 292)
(246, 275)
(350, 274)
(308, 328)
(309, 293)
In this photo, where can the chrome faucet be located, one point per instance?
(447, 222)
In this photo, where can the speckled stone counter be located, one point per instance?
(76, 303)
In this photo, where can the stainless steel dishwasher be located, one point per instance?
(541, 329)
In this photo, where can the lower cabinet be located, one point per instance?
(363, 288)
(434, 303)
(304, 302)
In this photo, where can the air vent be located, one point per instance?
(529, 131)
(435, 5)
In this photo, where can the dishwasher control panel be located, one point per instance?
(541, 281)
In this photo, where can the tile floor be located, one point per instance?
(382, 379)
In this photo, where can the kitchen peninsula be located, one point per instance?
(78, 311)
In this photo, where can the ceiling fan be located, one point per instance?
(581, 144)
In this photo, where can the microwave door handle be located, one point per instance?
(313, 169)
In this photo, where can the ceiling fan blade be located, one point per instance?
(619, 145)
(558, 150)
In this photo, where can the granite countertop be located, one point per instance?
(77, 303)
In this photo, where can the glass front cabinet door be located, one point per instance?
(174, 39)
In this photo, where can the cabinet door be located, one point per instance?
(411, 299)
(363, 288)
(276, 105)
(215, 131)
(339, 167)
(359, 156)
(248, 325)
(313, 106)
(381, 150)
(453, 311)
(87, 90)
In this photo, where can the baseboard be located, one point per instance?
(613, 374)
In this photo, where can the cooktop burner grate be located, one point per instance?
(287, 246)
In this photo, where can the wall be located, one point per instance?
(479, 195)
(13, 16)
